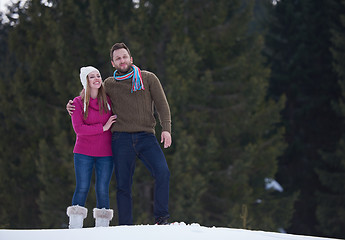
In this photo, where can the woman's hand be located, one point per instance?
(110, 121)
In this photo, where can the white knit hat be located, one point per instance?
(84, 71)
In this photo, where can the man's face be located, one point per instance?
(121, 60)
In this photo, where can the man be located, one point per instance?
(134, 94)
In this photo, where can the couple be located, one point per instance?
(106, 140)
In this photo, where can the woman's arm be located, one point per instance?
(79, 126)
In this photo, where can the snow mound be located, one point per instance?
(175, 231)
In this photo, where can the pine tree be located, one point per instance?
(216, 83)
(6, 189)
(72, 49)
(50, 53)
(48, 95)
(330, 209)
(18, 144)
(245, 124)
(108, 24)
(298, 50)
(187, 161)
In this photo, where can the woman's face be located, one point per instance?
(95, 79)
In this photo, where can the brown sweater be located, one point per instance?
(135, 111)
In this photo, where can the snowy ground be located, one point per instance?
(150, 232)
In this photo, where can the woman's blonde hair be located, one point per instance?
(101, 99)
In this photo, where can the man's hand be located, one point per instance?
(166, 138)
(70, 107)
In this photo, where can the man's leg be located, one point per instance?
(151, 154)
(124, 163)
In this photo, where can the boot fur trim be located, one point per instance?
(103, 213)
(77, 210)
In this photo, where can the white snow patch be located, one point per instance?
(273, 184)
(176, 231)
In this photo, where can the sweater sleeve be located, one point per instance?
(110, 94)
(79, 126)
(161, 103)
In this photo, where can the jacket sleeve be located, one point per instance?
(79, 125)
(161, 103)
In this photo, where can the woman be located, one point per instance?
(91, 122)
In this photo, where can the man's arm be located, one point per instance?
(163, 109)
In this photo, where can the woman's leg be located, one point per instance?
(104, 171)
(83, 166)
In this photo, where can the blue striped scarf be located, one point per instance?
(137, 80)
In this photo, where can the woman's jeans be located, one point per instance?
(126, 147)
(84, 165)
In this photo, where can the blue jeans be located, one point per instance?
(84, 165)
(126, 147)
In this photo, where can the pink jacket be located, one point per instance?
(91, 140)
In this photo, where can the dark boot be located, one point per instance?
(162, 220)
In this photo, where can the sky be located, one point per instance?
(176, 231)
(3, 7)
(3, 4)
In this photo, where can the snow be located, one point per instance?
(273, 184)
(177, 231)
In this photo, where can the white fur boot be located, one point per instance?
(102, 216)
(76, 214)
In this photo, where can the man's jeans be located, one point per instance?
(126, 147)
(84, 165)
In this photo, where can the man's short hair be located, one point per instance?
(117, 46)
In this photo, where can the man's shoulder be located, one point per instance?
(146, 73)
(149, 76)
(109, 80)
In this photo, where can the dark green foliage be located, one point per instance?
(19, 184)
(298, 48)
(330, 211)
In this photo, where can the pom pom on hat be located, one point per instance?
(84, 71)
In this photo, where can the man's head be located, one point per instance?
(117, 46)
(121, 58)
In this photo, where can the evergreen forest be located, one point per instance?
(256, 90)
